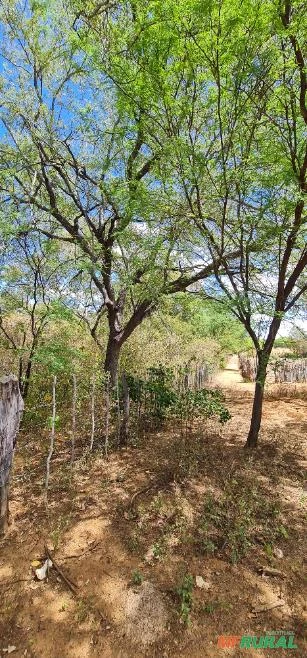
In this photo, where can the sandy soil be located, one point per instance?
(99, 535)
(230, 377)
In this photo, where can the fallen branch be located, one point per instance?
(13, 582)
(131, 512)
(74, 587)
(268, 571)
(90, 549)
(70, 584)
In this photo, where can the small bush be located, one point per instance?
(185, 593)
(163, 396)
(137, 578)
(233, 521)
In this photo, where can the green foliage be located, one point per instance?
(209, 319)
(162, 395)
(185, 593)
(212, 606)
(57, 357)
(204, 403)
(151, 152)
(231, 521)
(137, 577)
(156, 391)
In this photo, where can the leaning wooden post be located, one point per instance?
(124, 431)
(52, 435)
(106, 442)
(11, 408)
(92, 414)
(73, 429)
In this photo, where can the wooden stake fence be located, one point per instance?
(11, 408)
(52, 435)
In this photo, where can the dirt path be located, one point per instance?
(230, 377)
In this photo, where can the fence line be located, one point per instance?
(279, 370)
(92, 411)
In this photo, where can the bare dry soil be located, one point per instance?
(131, 530)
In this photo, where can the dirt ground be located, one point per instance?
(129, 530)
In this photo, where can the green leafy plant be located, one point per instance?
(204, 403)
(158, 549)
(163, 397)
(231, 521)
(185, 593)
(137, 577)
(211, 607)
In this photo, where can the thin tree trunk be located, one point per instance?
(252, 439)
(118, 412)
(253, 434)
(73, 429)
(106, 443)
(52, 435)
(263, 356)
(93, 414)
(124, 430)
(27, 375)
(11, 407)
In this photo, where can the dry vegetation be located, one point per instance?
(133, 532)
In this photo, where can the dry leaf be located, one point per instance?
(9, 649)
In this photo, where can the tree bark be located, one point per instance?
(253, 434)
(124, 428)
(4, 507)
(111, 360)
(263, 356)
(263, 359)
(11, 407)
(24, 387)
(119, 334)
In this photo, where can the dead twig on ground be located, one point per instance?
(131, 512)
(14, 582)
(90, 549)
(70, 584)
(268, 571)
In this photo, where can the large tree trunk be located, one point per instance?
(11, 407)
(111, 360)
(118, 334)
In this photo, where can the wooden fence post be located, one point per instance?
(92, 414)
(73, 424)
(11, 408)
(52, 435)
(106, 442)
(124, 431)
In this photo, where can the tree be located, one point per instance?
(91, 164)
(29, 299)
(209, 319)
(254, 199)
